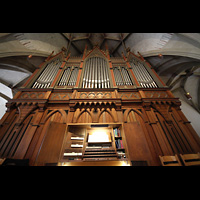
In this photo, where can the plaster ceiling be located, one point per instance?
(175, 56)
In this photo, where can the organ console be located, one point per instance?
(68, 97)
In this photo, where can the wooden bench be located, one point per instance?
(191, 159)
(170, 160)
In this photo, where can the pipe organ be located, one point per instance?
(95, 110)
(96, 73)
(69, 76)
(142, 75)
(48, 74)
(122, 76)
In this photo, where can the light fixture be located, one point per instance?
(188, 96)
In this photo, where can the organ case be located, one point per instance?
(95, 90)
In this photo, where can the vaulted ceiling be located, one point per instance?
(175, 56)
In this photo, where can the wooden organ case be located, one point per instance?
(95, 110)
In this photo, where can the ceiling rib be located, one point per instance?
(121, 41)
(73, 44)
(4, 96)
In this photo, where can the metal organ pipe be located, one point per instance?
(75, 73)
(46, 77)
(142, 75)
(91, 69)
(101, 81)
(86, 75)
(115, 75)
(66, 76)
(73, 77)
(150, 81)
(89, 73)
(118, 77)
(104, 75)
(123, 74)
(107, 75)
(92, 78)
(96, 73)
(121, 82)
(84, 78)
(145, 75)
(129, 79)
(62, 79)
(141, 78)
(70, 78)
(101, 78)
(92, 75)
(135, 71)
(99, 74)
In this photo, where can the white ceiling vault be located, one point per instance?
(175, 56)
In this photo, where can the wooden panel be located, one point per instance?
(12, 137)
(28, 136)
(105, 117)
(84, 117)
(136, 141)
(52, 144)
(131, 117)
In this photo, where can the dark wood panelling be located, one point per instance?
(136, 141)
(52, 144)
